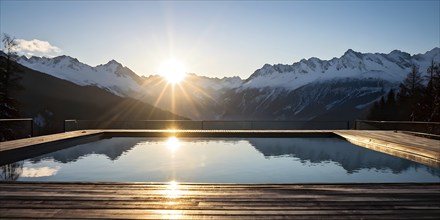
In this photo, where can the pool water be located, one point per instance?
(219, 160)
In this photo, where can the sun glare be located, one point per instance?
(173, 71)
(173, 143)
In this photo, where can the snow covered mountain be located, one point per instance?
(312, 89)
(337, 89)
(112, 76)
(352, 64)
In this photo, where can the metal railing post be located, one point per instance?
(32, 127)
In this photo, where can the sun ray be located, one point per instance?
(156, 102)
(173, 101)
(189, 99)
(161, 94)
(202, 92)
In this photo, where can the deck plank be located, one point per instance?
(219, 201)
(419, 149)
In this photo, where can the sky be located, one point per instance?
(218, 38)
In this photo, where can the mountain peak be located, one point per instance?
(265, 66)
(434, 52)
(64, 57)
(351, 51)
(113, 62)
(396, 54)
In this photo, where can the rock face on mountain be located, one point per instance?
(338, 89)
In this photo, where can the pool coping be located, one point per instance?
(400, 144)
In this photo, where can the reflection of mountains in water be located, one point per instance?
(317, 150)
(113, 148)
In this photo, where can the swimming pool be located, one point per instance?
(219, 160)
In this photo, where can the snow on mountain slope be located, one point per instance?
(111, 76)
(352, 64)
(328, 89)
(337, 89)
(217, 83)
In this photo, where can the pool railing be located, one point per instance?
(414, 126)
(72, 125)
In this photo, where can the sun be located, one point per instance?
(172, 70)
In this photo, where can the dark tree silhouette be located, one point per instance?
(410, 94)
(384, 109)
(391, 107)
(11, 172)
(432, 95)
(9, 83)
(415, 101)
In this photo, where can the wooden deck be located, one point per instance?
(21, 200)
(199, 201)
(411, 147)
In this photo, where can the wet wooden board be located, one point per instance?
(415, 148)
(214, 201)
(26, 142)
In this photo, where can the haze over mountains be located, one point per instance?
(338, 89)
(50, 100)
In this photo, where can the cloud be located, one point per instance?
(36, 47)
(39, 171)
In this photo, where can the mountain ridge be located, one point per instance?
(297, 89)
(312, 61)
(50, 100)
(351, 64)
(112, 76)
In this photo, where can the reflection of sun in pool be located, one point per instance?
(173, 193)
(172, 70)
(173, 143)
(172, 190)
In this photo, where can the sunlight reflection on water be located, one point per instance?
(218, 160)
(173, 144)
(173, 191)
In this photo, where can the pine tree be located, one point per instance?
(374, 112)
(410, 94)
(390, 108)
(434, 83)
(9, 83)
(414, 100)
(428, 108)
